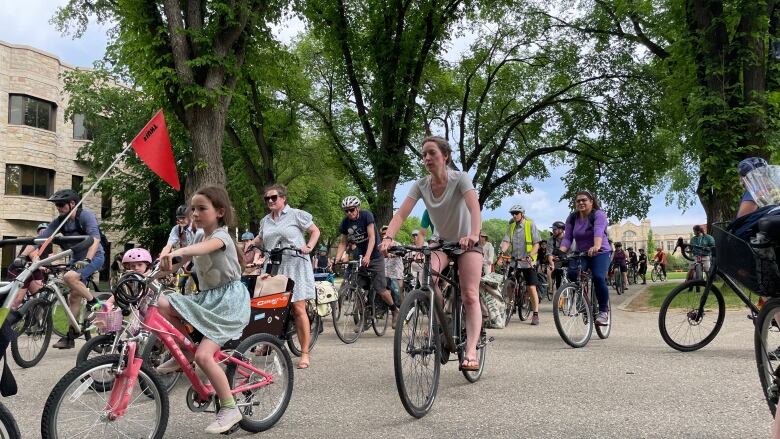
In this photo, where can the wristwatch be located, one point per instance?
(89, 261)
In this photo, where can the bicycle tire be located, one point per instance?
(8, 427)
(602, 331)
(32, 340)
(570, 309)
(508, 293)
(699, 272)
(413, 328)
(766, 340)
(472, 376)
(653, 274)
(268, 350)
(619, 287)
(690, 316)
(352, 316)
(380, 324)
(100, 345)
(156, 353)
(293, 343)
(59, 398)
(524, 307)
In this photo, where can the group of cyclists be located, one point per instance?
(200, 245)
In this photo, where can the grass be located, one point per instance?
(659, 292)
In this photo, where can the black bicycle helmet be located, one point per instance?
(558, 225)
(181, 211)
(64, 195)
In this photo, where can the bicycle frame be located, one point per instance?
(55, 285)
(436, 304)
(172, 338)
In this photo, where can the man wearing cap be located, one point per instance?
(522, 240)
(488, 253)
(554, 266)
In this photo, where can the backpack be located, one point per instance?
(103, 240)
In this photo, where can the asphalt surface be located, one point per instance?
(629, 386)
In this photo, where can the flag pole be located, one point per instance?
(126, 147)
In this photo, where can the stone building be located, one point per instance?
(635, 235)
(38, 146)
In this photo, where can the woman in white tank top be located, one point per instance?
(454, 209)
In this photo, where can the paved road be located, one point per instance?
(629, 386)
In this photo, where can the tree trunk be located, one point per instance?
(383, 206)
(206, 126)
(718, 206)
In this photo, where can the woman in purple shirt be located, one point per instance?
(587, 227)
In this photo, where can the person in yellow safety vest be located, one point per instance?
(522, 240)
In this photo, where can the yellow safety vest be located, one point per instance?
(528, 244)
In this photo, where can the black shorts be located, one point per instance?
(529, 274)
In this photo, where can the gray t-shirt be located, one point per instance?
(220, 267)
(518, 244)
(448, 213)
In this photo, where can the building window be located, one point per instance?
(29, 181)
(628, 234)
(80, 129)
(26, 110)
(105, 205)
(76, 182)
(670, 245)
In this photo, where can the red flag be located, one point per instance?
(153, 146)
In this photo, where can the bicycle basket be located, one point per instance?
(735, 257)
(108, 321)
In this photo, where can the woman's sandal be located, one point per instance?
(470, 364)
(304, 364)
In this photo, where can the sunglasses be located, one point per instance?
(515, 213)
(582, 200)
(350, 209)
(271, 198)
(60, 204)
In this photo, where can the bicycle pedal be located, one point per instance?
(491, 339)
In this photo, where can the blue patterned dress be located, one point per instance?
(288, 230)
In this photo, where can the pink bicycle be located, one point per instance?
(118, 394)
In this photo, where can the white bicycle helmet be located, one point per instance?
(350, 201)
(517, 208)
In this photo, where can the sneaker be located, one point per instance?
(535, 319)
(65, 343)
(169, 366)
(602, 319)
(226, 419)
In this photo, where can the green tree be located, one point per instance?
(495, 229)
(366, 61)
(114, 114)
(188, 55)
(581, 112)
(650, 244)
(713, 64)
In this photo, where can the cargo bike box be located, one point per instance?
(270, 304)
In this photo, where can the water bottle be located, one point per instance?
(765, 257)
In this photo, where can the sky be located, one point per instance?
(29, 25)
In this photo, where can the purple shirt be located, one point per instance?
(583, 234)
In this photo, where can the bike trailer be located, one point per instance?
(270, 303)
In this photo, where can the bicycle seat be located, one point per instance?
(771, 226)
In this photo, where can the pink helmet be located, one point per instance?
(137, 255)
